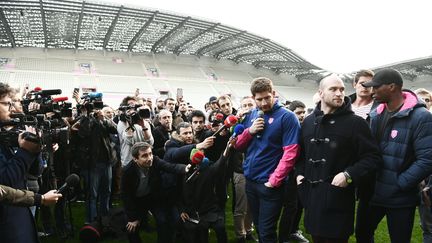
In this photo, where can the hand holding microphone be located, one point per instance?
(258, 125)
(198, 159)
(230, 121)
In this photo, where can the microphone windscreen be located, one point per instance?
(238, 129)
(95, 95)
(197, 158)
(193, 151)
(72, 180)
(219, 117)
(60, 99)
(230, 121)
(205, 163)
(48, 92)
(261, 113)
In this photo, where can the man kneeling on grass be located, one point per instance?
(140, 185)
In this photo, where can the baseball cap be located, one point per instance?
(212, 99)
(385, 76)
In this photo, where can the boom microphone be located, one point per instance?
(71, 181)
(48, 92)
(260, 115)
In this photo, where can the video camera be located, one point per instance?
(51, 130)
(132, 114)
(58, 105)
(91, 101)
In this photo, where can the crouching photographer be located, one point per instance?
(95, 154)
(16, 223)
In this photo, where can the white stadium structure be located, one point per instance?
(65, 44)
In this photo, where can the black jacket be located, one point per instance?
(134, 205)
(331, 144)
(199, 194)
(177, 152)
(95, 141)
(160, 136)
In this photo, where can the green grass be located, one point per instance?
(381, 234)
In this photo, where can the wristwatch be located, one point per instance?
(347, 177)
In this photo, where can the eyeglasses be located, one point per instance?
(7, 103)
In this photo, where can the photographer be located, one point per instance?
(97, 157)
(17, 224)
(138, 129)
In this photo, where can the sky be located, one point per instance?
(340, 36)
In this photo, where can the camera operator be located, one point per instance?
(16, 223)
(138, 129)
(97, 157)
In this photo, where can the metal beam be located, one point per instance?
(111, 28)
(219, 53)
(259, 63)
(238, 57)
(79, 25)
(43, 23)
(209, 47)
(141, 31)
(166, 37)
(7, 28)
(177, 49)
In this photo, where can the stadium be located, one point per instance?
(116, 49)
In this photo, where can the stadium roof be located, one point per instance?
(90, 25)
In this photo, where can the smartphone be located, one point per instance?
(179, 93)
(76, 90)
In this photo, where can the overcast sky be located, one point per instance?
(336, 35)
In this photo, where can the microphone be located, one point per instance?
(219, 117)
(230, 121)
(60, 99)
(71, 180)
(238, 129)
(260, 115)
(47, 92)
(92, 95)
(196, 156)
(203, 164)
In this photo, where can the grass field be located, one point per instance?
(381, 235)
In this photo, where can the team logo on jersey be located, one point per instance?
(394, 133)
(270, 120)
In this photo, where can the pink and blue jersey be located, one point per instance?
(271, 156)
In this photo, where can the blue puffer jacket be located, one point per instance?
(406, 147)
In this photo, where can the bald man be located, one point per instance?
(338, 149)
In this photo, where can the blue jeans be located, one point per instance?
(98, 183)
(265, 204)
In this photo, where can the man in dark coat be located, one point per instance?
(16, 223)
(402, 126)
(178, 150)
(337, 149)
(140, 186)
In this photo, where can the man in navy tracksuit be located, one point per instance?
(402, 126)
(271, 139)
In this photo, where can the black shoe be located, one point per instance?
(251, 237)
